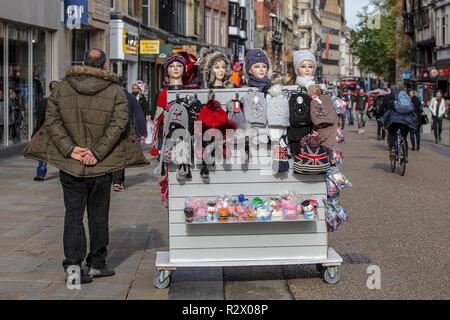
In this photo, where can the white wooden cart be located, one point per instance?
(234, 243)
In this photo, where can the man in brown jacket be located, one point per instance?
(87, 135)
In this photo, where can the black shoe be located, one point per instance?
(435, 141)
(101, 272)
(418, 148)
(440, 138)
(38, 179)
(413, 148)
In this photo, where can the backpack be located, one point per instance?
(299, 110)
(403, 103)
(379, 106)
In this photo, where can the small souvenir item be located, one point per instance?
(335, 203)
(211, 214)
(241, 213)
(332, 190)
(339, 105)
(263, 212)
(290, 209)
(189, 214)
(336, 156)
(222, 210)
(275, 209)
(200, 213)
(339, 135)
(332, 219)
(335, 175)
(310, 208)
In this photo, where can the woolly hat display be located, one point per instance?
(207, 59)
(302, 55)
(257, 56)
(171, 58)
(191, 68)
(277, 108)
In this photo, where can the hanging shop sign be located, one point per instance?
(406, 76)
(434, 73)
(444, 72)
(75, 12)
(420, 92)
(130, 42)
(190, 49)
(149, 46)
(241, 54)
(425, 75)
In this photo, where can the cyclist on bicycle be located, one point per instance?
(398, 115)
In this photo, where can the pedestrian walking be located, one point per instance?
(87, 135)
(16, 108)
(414, 134)
(348, 98)
(137, 121)
(137, 92)
(437, 108)
(360, 106)
(379, 112)
(41, 170)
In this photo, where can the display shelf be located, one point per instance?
(298, 219)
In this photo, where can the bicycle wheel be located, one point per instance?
(402, 163)
(393, 162)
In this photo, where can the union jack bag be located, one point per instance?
(311, 160)
(280, 158)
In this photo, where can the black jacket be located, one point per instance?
(40, 115)
(144, 104)
(137, 117)
(417, 109)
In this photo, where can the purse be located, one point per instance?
(311, 160)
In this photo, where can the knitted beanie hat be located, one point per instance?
(255, 56)
(171, 58)
(302, 55)
(277, 109)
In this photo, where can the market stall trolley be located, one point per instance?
(244, 243)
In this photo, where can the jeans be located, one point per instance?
(119, 176)
(350, 116)
(414, 135)
(95, 193)
(361, 122)
(437, 125)
(41, 170)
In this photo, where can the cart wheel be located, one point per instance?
(164, 284)
(320, 268)
(327, 276)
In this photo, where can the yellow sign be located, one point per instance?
(130, 43)
(149, 46)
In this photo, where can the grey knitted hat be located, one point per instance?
(302, 55)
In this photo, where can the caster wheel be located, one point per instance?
(157, 281)
(320, 268)
(331, 280)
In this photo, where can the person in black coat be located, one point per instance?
(39, 119)
(137, 121)
(414, 135)
(136, 91)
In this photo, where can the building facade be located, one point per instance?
(442, 14)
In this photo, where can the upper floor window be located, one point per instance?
(146, 12)
(112, 5)
(303, 16)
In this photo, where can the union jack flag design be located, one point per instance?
(312, 160)
(279, 153)
(280, 159)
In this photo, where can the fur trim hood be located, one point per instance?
(207, 59)
(88, 80)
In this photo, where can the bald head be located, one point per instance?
(95, 58)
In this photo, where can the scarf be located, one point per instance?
(258, 82)
(305, 82)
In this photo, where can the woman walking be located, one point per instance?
(437, 108)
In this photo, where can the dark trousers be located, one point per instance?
(437, 125)
(95, 194)
(342, 121)
(381, 132)
(393, 128)
(414, 135)
(350, 116)
(119, 176)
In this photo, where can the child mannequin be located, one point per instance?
(258, 69)
(215, 68)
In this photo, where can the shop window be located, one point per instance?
(18, 68)
(3, 113)
(80, 44)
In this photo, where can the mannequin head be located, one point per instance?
(219, 70)
(306, 68)
(215, 68)
(305, 63)
(259, 70)
(174, 67)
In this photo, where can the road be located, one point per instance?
(399, 223)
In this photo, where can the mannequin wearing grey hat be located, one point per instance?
(305, 65)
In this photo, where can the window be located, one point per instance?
(215, 28)
(146, 12)
(303, 16)
(3, 119)
(242, 19)
(208, 25)
(112, 6)
(303, 40)
(222, 29)
(80, 44)
(196, 15)
(131, 7)
(443, 31)
(233, 12)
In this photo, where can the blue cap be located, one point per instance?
(241, 198)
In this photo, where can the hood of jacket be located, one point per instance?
(89, 80)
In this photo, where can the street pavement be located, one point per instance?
(400, 223)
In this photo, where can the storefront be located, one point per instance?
(124, 45)
(27, 66)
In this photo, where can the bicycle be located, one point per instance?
(401, 150)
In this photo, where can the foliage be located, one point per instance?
(377, 45)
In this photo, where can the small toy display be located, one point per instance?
(310, 208)
(337, 177)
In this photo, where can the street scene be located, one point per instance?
(197, 150)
